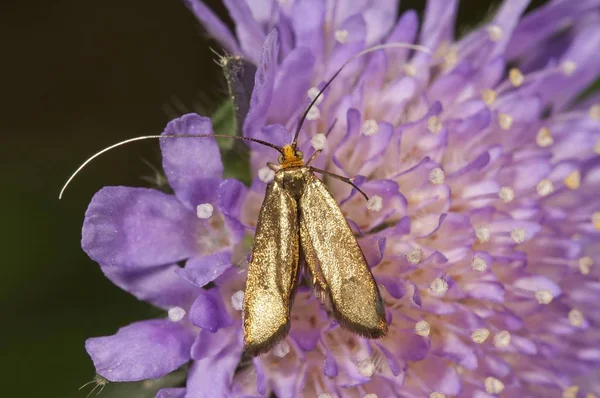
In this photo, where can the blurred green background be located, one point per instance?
(78, 76)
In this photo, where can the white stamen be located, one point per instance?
(409, 70)
(505, 121)
(281, 350)
(437, 394)
(237, 300)
(438, 287)
(479, 336)
(489, 96)
(314, 113)
(493, 385)
(176, 314)
(597, 147)
(318, 141)
(584, 264)
(266, 175)
(544, 138)
(341, 36)
(437, 176)
(324, 395)
(518, 235)
(370, 396)
(495, 32)
(434, 125)
(450, 60)
(414, 256)
(375, 203)
(312, 94)
(483, 234)
(502, 339)
(366, 367)
(596, 220)
(369, 128)
(570, 392)
(516, 77)
(543, 296)
(545, 187)
(594, 112)
(575, 317)
(479, 264)
(422, 328)
(204, 211)
(507, 194)
(568, 67)
(573, 180)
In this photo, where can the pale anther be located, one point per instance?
(545, 187)
(324, 395)
(312, 94)
(568, 67)
(176, 314)
(237, 300)
(341, 36)
(281, 350)
(438, 287)
(489, 96)
(516, 77)
(450, 60)
(502, 339)
(596, 220)
(375, 203)
(437, 394)
(479, 264)
(422, 328)
(495, 32)
(575, 317)
(204, 211)
(318, 141)
(543, 296)
(414, 256)
(483, 234)
(544, 138)
(570, 392)
(437, 176)
(434, 125)
(369, 128)
(366, 367)
(590, 395)
(594, 112)
(505, 121)
(409, 70)
(507, 194)
(479, 336)
(573, 180)
(370, 396)
(585, 264)
(597, 147)
(493, 385)
(266, 175)
(518, 235)
(314, 113)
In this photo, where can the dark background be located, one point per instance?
(78, 76)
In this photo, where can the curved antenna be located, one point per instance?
(146, 137)
(415, 47)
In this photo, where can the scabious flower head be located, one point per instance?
(482, 229)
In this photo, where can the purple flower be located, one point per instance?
(484, 229)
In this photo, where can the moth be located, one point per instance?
(301, 223)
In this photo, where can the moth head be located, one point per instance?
(291, 157)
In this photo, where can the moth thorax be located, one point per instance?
(291, 157)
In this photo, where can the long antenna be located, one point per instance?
(415, 47)
(146, 137)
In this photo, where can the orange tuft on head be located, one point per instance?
(291, 157)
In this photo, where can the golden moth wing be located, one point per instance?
(272, 271)
(337, 263)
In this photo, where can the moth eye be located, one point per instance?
(280, 159)
(299, 155)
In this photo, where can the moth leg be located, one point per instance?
(273, 166)
(339, 177)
